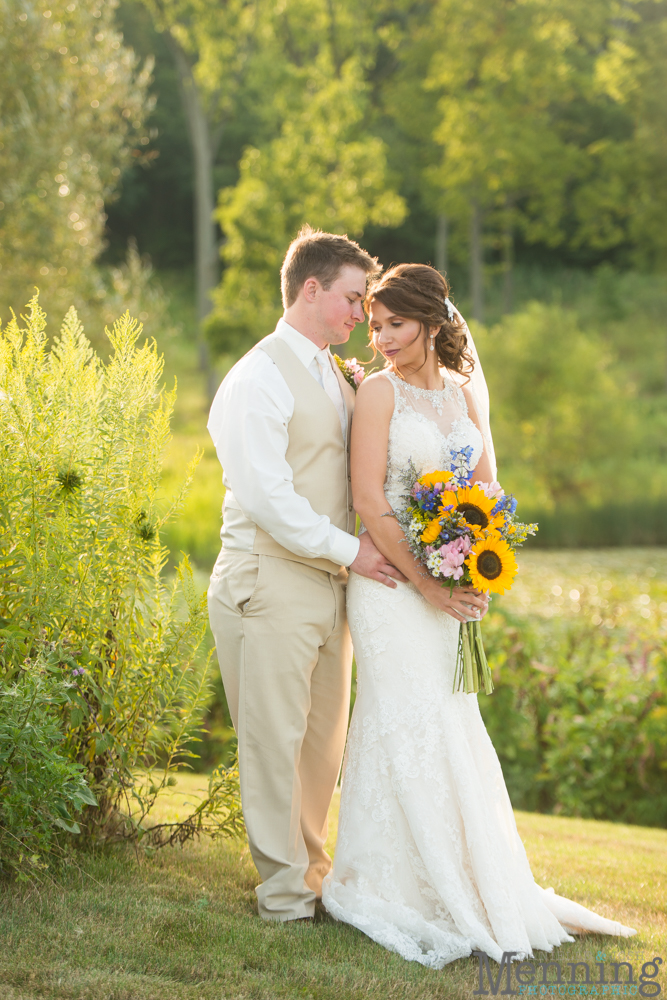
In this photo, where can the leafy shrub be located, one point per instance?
(564, 417)
(579, 717)
(41, 789)
(82, 572)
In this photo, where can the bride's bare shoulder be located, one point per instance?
(376, 387)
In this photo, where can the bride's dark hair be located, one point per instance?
(417, 291)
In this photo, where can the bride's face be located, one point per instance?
(400, 340)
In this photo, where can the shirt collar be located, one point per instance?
(304, 348)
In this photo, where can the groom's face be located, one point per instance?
(339, 307)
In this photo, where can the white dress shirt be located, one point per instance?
(248, 423)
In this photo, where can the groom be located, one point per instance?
(281, 425)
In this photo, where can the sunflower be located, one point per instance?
(492, 565)
(431, 531)
(473, 503)
(431, 478)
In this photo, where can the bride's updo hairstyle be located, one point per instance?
(417, 291)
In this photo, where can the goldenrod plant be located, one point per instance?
(90, 620)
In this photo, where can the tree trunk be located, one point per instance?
(508, 269)
(207, 259)
(507, 253)
(476, 264)
(441, 240)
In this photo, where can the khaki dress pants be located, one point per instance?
(285, 656)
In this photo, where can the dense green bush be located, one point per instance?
(83, 589)
(563, 415)
(41, 789)
(579, 717)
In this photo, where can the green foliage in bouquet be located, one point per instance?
(578, 717)
(111, 652)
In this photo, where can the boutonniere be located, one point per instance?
(353, 371)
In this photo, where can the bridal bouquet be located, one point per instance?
(464, 534)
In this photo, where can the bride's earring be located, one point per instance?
(432, 347)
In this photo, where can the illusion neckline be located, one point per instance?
(447, 386)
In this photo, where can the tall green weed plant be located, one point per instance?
(89, 620)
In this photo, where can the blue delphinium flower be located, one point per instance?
(507, 505)
(460, 466)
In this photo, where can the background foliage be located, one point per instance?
(546, 114)
(519, 147)
(73, 99)
(579, 649)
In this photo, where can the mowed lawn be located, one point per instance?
(183, 924)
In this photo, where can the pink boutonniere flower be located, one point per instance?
(353, 371)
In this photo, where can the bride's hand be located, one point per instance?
(465, 604)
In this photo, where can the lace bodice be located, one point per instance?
(427, 427)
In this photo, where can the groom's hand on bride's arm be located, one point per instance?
(371, 563)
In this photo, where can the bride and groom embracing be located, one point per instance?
(428, 860)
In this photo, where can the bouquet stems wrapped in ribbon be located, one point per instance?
(464, 534)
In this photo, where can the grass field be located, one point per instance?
(183, 925)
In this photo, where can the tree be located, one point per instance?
(155, 203)
(72, 102)
(503, 72)
(545, 111)
(210, 43)
(324, 165)
(621, 201)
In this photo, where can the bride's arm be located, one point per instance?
(483, 472)
(370, 439)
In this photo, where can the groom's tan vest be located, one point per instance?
(316, 453)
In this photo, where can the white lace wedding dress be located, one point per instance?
(428, 861)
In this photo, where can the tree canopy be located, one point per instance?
(493, 127)
(72, 105)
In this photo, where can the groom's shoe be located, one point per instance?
(321, 913)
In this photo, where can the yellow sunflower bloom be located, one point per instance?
(431, 531)
(447, 499)
(431, 478)
(473, 503)
(492, 565)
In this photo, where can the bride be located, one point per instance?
(428, 861)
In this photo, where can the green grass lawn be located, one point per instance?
(183, 924)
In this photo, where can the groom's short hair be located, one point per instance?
(314, 254)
